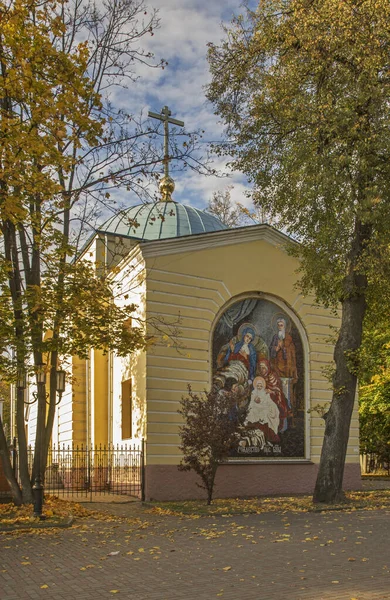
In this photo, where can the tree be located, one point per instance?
(374, 376)
(6, 401)
(234, 214)
(64, 145)
(303, 87)
(221, 206)
(209, 433)
(374, 414)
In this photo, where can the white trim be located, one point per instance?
(214, 239)
(207, 240)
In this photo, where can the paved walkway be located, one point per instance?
(376, 483)
(308, 556)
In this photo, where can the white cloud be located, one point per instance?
(186, 27)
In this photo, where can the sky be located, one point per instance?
(186, 26)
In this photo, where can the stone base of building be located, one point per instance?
(166, 482)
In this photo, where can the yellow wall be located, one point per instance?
(131, 289)
(100, 387)
(79, 408)
(197, 285)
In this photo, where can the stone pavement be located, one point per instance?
(269, 556)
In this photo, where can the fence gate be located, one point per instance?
(89, 471)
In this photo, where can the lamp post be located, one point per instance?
(38, 488)
(60, 383)
(21, 379)
(40, 373)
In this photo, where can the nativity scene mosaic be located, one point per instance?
(258, 362)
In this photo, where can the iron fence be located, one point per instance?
(89, 471)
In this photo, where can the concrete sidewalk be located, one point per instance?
(271, 556)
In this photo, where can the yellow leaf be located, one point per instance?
(44, 586)
(226, 568)
(114, 591)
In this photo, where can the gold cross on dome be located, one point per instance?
(166, 118)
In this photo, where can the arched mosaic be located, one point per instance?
(258, 360)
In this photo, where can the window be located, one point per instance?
(126, 410)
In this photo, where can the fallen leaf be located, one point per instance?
(44, 586)
(114, 553)
(226, 568)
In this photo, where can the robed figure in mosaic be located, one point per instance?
(260, 368)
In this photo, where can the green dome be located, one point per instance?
(161, 220)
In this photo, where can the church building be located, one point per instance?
(222, 309)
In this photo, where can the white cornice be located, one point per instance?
(214, 239)
(201, 241)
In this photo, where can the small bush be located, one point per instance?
(209, 434)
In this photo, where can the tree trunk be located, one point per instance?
(51, 411)
(7, 468)
(329, 482)
(209, 481)
(23, 454)
(38, 472)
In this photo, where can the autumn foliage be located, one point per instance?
(209, 433)
(303, 88)
(62, 145)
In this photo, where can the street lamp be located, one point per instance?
(21, 379)
(40, 372)
(21, 384)
(60, 383)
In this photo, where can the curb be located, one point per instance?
(40, 525)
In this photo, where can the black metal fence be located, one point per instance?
(88, 471)
(374, 463)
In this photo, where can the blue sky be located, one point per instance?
(186, 26)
